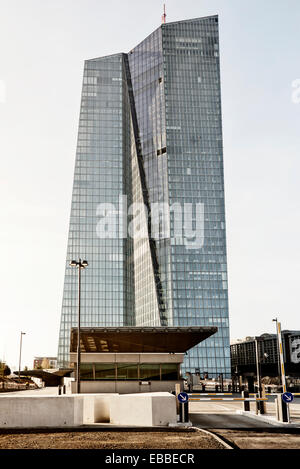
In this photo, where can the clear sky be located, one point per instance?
(43, 44)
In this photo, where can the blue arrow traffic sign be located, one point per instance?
(183, 397)
(287, 397)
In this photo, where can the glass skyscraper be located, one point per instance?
(150, 135)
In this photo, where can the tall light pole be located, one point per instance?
(260, 404)
(21, 336)
(257, 368)
(278, 351)
(80, 265)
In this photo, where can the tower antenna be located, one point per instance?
(163, 18)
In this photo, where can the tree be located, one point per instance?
(6, 371)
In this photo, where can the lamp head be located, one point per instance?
(73, 263)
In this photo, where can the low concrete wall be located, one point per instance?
(149, 409)
(41, 411)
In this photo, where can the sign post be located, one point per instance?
(183, 399)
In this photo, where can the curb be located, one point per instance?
(216, 437)
(96, 428)
(269, 420)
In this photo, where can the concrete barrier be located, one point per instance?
(41, 411)
(148, 409)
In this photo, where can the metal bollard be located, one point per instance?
(245, 394)
(259, 406)
(59, 390)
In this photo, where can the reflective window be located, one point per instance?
(169, 371)
(150, 371)
(127, 371)
(86, 371)
(105, 371)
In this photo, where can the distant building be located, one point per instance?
(243, 358)
(44, 362)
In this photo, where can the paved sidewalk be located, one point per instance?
(49, 391)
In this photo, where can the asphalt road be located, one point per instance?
(228, 420)
(49, 391)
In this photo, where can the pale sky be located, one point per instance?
(43, 45)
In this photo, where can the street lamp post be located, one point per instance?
(278, 351)
(80, 265)
(260, 404)
(257, 368)
(21, 336)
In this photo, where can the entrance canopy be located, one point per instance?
(139, 339)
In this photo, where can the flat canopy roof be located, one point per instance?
(139, 339)
(42, 373)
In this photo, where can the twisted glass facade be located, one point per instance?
(195, 176)
(150, 128)
(102, 175)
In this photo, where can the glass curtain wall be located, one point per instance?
(195, 176)
(101, 176)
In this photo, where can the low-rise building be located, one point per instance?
(44, 362)
(243, 355)
(133, 359)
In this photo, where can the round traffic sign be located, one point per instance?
(183, 397)
(287, 397)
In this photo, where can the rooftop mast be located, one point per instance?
(163, 18)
